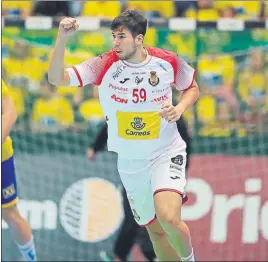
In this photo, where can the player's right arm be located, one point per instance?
(89, 72)
(57, 74)
(9, 114)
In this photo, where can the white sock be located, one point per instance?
(28, 251)
(189, 258)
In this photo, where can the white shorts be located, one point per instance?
(142, 179)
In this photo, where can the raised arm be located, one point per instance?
(57, 75)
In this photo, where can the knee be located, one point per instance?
(169, 219)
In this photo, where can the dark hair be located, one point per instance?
(132, 20)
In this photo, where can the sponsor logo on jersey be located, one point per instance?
(160, 99)
(118, 71)
(138, 125)
(175, 168)
(175, 177)
(138, 80)
(124, 81)
(118, 88)
(119, 99)
(155, 91)
(154, 79)
(177, 160)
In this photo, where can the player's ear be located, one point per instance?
(139, 39)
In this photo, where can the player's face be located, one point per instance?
(124, 44)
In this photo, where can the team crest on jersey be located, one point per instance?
(154, 79)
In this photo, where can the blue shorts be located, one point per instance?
(9, 186)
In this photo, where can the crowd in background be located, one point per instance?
(204, 10)
(234, 88)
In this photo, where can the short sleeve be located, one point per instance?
(83, 74)
(184, 74)
(92, 70)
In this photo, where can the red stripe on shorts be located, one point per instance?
(149, 223)
(184, 199)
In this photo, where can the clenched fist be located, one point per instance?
(67, 27)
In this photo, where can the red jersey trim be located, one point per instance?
(78, 76)
(168, 56)
(109, 58)
(149, 223)
(184, 198)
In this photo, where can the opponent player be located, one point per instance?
(135, 91)
(20, 230)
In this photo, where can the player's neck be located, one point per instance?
(139, 57)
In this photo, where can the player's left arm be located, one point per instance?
(9, 116)
(188, 98)
(184, 81)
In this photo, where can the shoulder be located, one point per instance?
(163, 54)
(106, 59)
(103, 63)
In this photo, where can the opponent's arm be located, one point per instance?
(9, 117)
(57, 75)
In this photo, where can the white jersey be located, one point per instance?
(131, 96)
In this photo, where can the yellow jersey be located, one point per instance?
(91, 109)
(7, 149)
(108, 9)
(56, 110)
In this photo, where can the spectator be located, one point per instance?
(153, 9)
(51, 113)
(16, 9)
(51, 8)
(182, 6)
(216, 78)
(205, 11)
(252, 85)
(244, 9)
(263, 13)
(102, 8)
(18, 62)
(90, 109)
(227, 12)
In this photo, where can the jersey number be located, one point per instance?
(139, 95)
